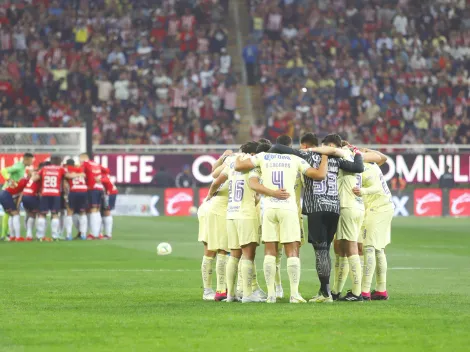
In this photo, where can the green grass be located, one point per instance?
(120, 296)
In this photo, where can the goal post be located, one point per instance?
(58, 141)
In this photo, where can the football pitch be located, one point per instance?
(120, 296)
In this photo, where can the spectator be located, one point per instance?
(257, 130)
(163, 179)
(250, 56)
(184, 179)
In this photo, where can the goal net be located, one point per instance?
(58, 141)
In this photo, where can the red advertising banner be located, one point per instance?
(203, 192)
(459, 202)
(428, 202)
(178, 201)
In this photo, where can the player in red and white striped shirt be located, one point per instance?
(51, 177)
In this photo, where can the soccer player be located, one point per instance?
(109, 203)
(30, 199)
(279, 172)
(93, 173)
(77, 202)
(242, 227)
(321, 200)
(51, 177)
(9, 201)
(15, 173)
(376, 229)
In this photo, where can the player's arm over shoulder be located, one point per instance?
(243, 163)
(313, 173)
(356, 166)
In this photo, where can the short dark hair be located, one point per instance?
(46, 163)
(284, 140)
(70, 162)
(28, 156)
(333, 138)
(263, 147)
(264, 141)
(56, 160)
(309, 139)
(249, 147)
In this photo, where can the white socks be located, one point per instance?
(40, 227)
(68, 226)
(76, 221)
(29, 227)
(108, 225)
(55, 224)
(83, 224)
(16, 229)
(95, 224)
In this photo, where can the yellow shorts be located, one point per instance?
(377, 228)
(201, 217)
(216, 227)
(280, 225)
(349, 224)
(242, 232)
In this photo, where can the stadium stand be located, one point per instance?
(378, 71)
(148, 72)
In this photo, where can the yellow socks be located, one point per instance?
(239, 278)
(277, 278)
(293, 270)
(247, 277)
(220, 270)
(361, 257)
(343, 272)
(5, 229)
(270, 273)
(381, 274)
(231, 276)
(369, 269)
(206, 271)
(336, 274)
(355, 272)
(254, 279)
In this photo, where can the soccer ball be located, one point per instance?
(164, 249)
(193, 211)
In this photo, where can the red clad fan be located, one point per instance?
(109, 202)
(95, 193)
(9, 199)
(30, 201)
(77, 204)
(51, 177)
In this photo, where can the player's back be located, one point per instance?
(218, 203)
(280, 171)
(373, 178)
(77, 184)
(93, 175)
(241, 198)
(346, 182)
(51, 180)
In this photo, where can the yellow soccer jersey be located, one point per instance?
(377, 196)
(218, 203)
(346, 182)
(241, 198)
(280, 171)
(256, 173)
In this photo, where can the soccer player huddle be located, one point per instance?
(74, 195)
(256, 198)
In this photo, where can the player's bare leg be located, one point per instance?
(293, 270)
(206, 271)
(355, 271)
(269, 268)
(221, 270)
(232, 273)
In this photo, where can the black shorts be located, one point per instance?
(322, 226)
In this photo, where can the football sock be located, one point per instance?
(355, 272)
(361, 258)
(16, 222)
(68, 225)
(40, 227)
(206, 270)
(29, 226)
(277, 278)
(108, 225)
(95, 225)
(76, 221)
(254, 279)
(61, 223)
(293, 270)
(247, 277)
(220, 270)
(342, 274)
(5, 224)
(269, 267)
(55, 223)
(232, 271)
(88, 215)
(336, 274)
(239, 277)
(83, 224)
(323, 266)
(10, 227)
(369, 269)
(381, 272)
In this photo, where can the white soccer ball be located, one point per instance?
(164, 249)
(193, 211)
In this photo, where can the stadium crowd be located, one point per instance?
(147, 72)
(377, 71)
